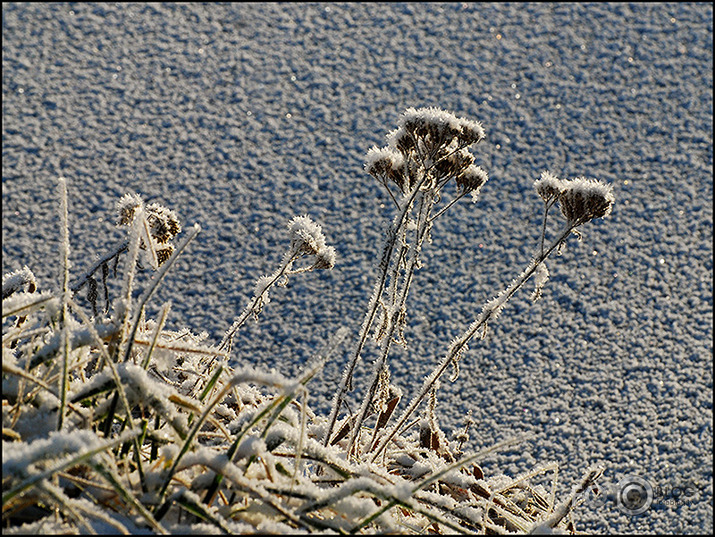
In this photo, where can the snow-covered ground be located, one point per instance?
(240, 116)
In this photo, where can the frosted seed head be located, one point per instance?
(472, 179)
(325, 258)
(306, 236)
(164, 253)
(584, 199)
(434, 126)
(472, 132)
(386, 164)
(163, 223)
(127, 207)
(549, 186)
(401, 140)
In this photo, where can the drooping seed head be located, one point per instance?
(472, 179)
(472, 131)
(385, 165)
(325, 258)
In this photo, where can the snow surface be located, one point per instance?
(240, 116)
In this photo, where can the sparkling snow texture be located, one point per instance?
(241, 116)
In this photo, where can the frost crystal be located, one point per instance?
(541, 275)
(385, 164)
(15, 280)
(126, 207)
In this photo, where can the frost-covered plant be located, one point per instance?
(113, 423)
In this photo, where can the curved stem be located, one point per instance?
(489, 311)
(288, 260)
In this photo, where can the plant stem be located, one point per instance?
(458, 346)
(397, 306)
(288, 260)
(392, 235)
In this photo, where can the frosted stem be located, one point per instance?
(491, 309)
(392, 234)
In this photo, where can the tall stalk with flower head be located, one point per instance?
(427, 151)
(581, 200)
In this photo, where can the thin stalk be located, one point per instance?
(458, 346)
(157, 331)
(397, 306)
(392, 235)
(65, 318)
(154, 285)
(547, 206)
(288, 260)
(446, 207)
(120, 247)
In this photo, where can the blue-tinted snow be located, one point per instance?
(241, 116)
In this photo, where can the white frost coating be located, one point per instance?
(585, 199)
(548, 186)
(402, 490)
(24, 301)
(262, 285)
(253, 445)
(377, 159)
(541, 276)
(14, 280)
(306, 236)
(593, 188)
(18, 456)
(430, 116)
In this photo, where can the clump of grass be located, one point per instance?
(113, 423)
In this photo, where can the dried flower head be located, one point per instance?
(401, 140)
(386, 165)
(164, 253)
(127, 207)
(454, 164)
(585, 199)
(306, 236)
(549, 187)
(472, 179)
(325, 258)
(163, 222)
(433, 126)
(472, 131)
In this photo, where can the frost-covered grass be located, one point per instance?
(113, 423)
